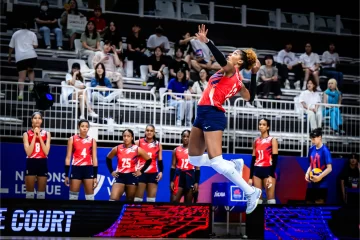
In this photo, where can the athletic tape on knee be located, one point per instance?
(220, 165)
(73, 195)
(260, 201)
(150, 199)
(40, 195)
(30, 195)
(137, 199)
(199, 161)
(271, 201)
(89, 197)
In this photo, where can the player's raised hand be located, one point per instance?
(201, 35)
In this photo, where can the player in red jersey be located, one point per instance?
(84, 165)
(210, 121)
(264, 160)
(126, 175)
(186, 180)
(37, 147)
(149, 180)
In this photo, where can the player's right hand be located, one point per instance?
(172, 186)
(66, 182)
(250, 182)
(307, 177)
(114, 174)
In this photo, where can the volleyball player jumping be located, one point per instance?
(210, 121)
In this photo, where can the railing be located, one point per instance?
(135, 109)
(222, 14)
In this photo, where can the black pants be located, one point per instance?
(158, 83)
(266, 86)
(284, 72)
(139, 59)
(251, 86)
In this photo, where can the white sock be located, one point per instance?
(150, 199)
(271, 201)
(111, 200)
(73, 195)
(227, 169)
(260, 201)
(137, 199)
(199, 161)
(30, 195)
(89, 197)
(40, 195)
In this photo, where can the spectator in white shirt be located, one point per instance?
(201, 84)
(311, 65)
(75, 79)
(24, 42)
(330, 59)
(310, 99)
(288, 62)
(111, 62)
(158, 40)
(203, 57)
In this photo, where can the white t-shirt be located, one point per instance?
(327, 57)
(310, 98)
(196, 87)
(108, 64)
(201, 50)
(155, 41)
(287, 58)
(78, 83)
(23, 41)
(310, 60)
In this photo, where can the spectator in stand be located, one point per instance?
(311, 65)
(136, 45)
(182, 102)
(184, 44)
(47, 23)
(75, 79)
(201, 84)
(111, 62)
(350, 181)
(90, 40)
(332, 95)
(70, 8)
(310, 99)
(24, 42)
(99, 21)
(157, 63)
(203, 57)
(158, 40)
(178, 62)
(102, 85)
(288, 62)
(249, 80)
(268, 79)
(112, 34)
(330, 59)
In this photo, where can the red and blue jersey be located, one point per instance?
(182, 159)
(220, 88)
(152, 149)
(38, 151)
(319, 158)
(263, 152)
(82, 151)
(127, 158)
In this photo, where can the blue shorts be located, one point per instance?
(263, 172)
(127, 179)
(148, 178)
(187, 179)
(36, 167)
(209, 119)
(82, 172)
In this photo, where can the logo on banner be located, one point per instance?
(219, 194)
(236, 194)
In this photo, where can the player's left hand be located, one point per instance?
(201, 35)
(159, 176)
(95, 183)
(196, 187)
(137, 173)
(316, 178)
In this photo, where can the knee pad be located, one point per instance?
(30, 195)
(73, 195)
(40, 195)
(111, 200)
(137, 199)
(150, 199)
(271, 201)
(89, 197)
(220, 165)
(195, 160)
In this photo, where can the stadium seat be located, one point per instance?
(321, 25)
(164, 9)
(301, 21)
(193, 11)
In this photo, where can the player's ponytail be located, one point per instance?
(249, 59)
